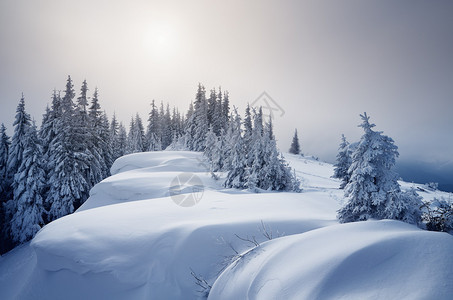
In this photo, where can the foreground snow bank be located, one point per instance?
(364, 260)
(131, 241)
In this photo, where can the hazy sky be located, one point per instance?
(322, 62)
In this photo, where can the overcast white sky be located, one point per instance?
(323, 62)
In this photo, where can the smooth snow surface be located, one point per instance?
(131, 241)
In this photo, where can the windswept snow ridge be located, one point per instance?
(131, 241)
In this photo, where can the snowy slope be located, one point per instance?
(131, 241)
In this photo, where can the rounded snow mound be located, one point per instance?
(147, 175)
(160, 161)
(364, 260)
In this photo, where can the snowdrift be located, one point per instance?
(131, 241)
(365, 260)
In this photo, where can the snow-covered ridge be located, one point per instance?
(131, 241)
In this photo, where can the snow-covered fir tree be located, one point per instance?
(218, 121)
(199, 120)
(225, 107)
(4, 149)
(238, 171)
(67, 178)
(295, 146)
(212, 151)
(105, 137)
(257, 155)
(153, 141)
(5, 189)
(373, 191)
(122, 140)
(227, 139)
(99, 138)
(48, 128)
(114, 138)
(212, 103)
(95, 110)
(85, 141)
(248, 136)
(343, 162)
(166, 128)
(28, 186)
(276, 173)
(21, 124)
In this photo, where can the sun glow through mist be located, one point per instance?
(159, 41)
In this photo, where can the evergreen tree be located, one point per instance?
(114, 138)
(373, 190)
(131, 143)
(29, 183)
(48, 126)
(4, 149)
(211, 151)
(200, 119)
(218, 119)
(106, 141)
(225, 107)
(167, 131)
(84, 138)
(176, 124)
(136, 139)
(95, 110)
(16, 150)
(295, 147)
(237, 175)
(122, 140)
(82, 101)
(257, 155)
(100, 140)
(248, 136)
(152, 134)
(5, 189)
(67, 178)
(341, 170)
(21, 124)
(212, 103)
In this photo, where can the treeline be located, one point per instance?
(47, 173)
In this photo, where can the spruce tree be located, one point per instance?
(212, 103)
(114, 138)
(95, 110)
(28, 186)
(21, 124)
(225, 107)
(344, 160)
(131, 143)
(295, 146)
(106, 142)
(67, 178)
(373, 191)
(122, 140)
(5, 189)
(84, 139)
(237, 175)
(218, 121)
(153, 142)
(200, 119)
(257, 155)
(211, 151)
(248, 136)
(167, 132)
(4, 149)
